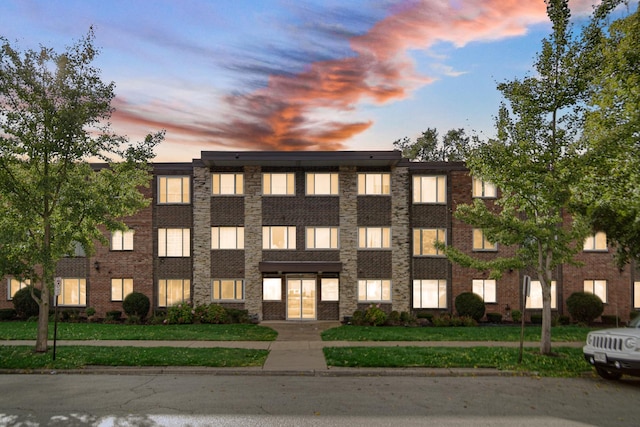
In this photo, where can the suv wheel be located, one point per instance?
(608, 374)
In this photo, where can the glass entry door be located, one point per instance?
(301, 298)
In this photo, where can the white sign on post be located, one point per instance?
(57, 289)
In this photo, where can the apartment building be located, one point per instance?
(315, 236)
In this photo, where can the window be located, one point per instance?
(173, 189)
(278, 237)
(122, 240)
(322, 238)
(330, 289)
(424, 240)
(14, 285)
(278, 184)
(227, 237)
(272, 289)
(597, 287)
(322, 184)
(173, 291)
(374, 290)
(374, 183)
(480, 242)
(597, 242)
(227, 184)
(636, 294)
(73, 292)
(174, 242)
(374, 237)
(227, 290)
(483, 189)
(534, 301)
(430, 293)
(485, 288)
(120, 288)
(430, 189)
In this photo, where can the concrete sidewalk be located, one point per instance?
(298, 350)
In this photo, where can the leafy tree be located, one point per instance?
(609, 195)
(535, 162)
(54, 112)
(428, 147)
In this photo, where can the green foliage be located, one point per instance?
(136, 304)
(181, 313)
(407, 318)
(494, 317)
(90, 311)
(358, 318)
(211, 313)
(393, 319)
(113, 316)
(469, 304)
(584, 307)
(447, 320)
(536, 319)
(516, 315)
(429, 147)
(7, 313)
(237, 315)
(24, 303)
(375, 316)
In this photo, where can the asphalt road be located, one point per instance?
(214, 400)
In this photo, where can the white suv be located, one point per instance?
(614, 352)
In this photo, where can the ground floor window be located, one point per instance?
(73, 292)
(272, 289)
(374, 290)
(597, 287)
(485, 288)
(14, 285)
(534, 301)
(636, 294)
(173, 291)
(430, 293)
(330, 289)
(120, 288)
(227, 290)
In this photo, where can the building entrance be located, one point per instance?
(301, 297)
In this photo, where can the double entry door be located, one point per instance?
(301, 297)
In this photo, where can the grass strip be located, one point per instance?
(77, 357)
(434, 333)
(106, 331)
(567, 362)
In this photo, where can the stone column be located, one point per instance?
(253, 239)
(348, 241)
(201, 235)
(400, 239)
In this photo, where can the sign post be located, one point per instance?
(526, 291)
(56, 291)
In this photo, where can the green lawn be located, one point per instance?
(105, 331)
(567, 362)
(480, 333)
(77, 357)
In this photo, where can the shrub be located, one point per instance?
(24, 303)
(237, 315)
(393, 319)
(633, 315)
(358, 318)
(442, 320)
(425, 315)
(516, 315)
(467, 321)
(494, 317)
(136, 304)
(90, 311)
(211, 313)
(113, 316)
(471, 305)
(7, 313)
(375, 316)
(407, 319)
(181, 314)
(536, 319)
(133, 319)
(584, 306)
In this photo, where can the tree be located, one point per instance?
(54, 112)
(429, 148)
(608, 195)
(535, 162)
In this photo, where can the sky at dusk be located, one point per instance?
(290, 74)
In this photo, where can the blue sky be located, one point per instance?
(294, 75)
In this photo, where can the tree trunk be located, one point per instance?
(43, 320)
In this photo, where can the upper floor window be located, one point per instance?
(481, 243)
(322, 184)
(223, 184)
(430, 293)
(14, 285)
(374, 290)
(374, 238)
(122, 240)
(424, 240)
(322, 237)
(174, 242)
(174, 189)
(597, 242)
(483, 189)
(374, 183)
(120, 288)
(73, 292)
(227, 290)
(279, 237)
(279, 184)
(430, 189)
(173, 291)
(227, 237)
(597, 287)
(534, 300)
(486, 288)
